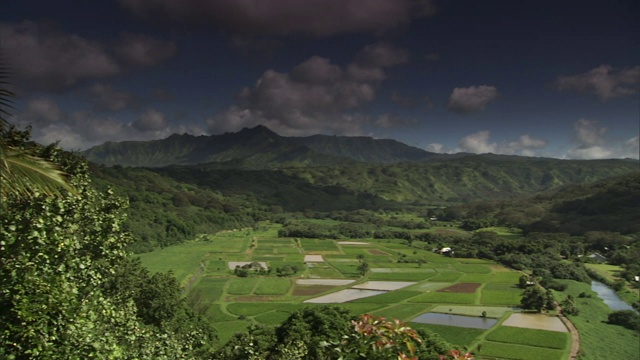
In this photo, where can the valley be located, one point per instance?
(437, 254)
(401, 280)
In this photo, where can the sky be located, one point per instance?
(551, 78)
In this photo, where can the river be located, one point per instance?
(609, 296)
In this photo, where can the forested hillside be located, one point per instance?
(610, 204)
(172, 204)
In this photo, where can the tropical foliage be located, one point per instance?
(69, 290)
(22, 173)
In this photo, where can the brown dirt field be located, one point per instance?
(308, 290)
(468, 288)
(377, 252)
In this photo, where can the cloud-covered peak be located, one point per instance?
(317, 96)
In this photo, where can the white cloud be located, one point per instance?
(525, 145)
(604, 81)
(591, 141)
(79, 130)
(631, 148)
(587, 133)
(478, 143)
(591, 152)
(317, 70)
(438, 148)
(471, 99)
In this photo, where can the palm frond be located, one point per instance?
(23, 175)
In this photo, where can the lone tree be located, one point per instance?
(569, 306)
(534, 298)
(363, 268)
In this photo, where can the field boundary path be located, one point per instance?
(194, 277)
(575, 336)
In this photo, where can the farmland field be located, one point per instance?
(531, 337)
(401, 282)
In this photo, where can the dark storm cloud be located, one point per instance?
(317, 96)
(382, 54)
(106, 98)
(280, 17)
(45, 58)
(150, 120)
(51, 60)
(142, 50)
(605, 82)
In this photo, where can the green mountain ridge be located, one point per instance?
(255, 148)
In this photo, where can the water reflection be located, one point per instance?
(609, 296)
(455, 320)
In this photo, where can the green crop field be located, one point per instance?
(531, 337)
(209, 289)
(233, 302)
(453, 334)
(252, 308)
(475, 278)
(473, 268)
(448, 276)
(324, 271)
(401, 276)
(389, 298)
(521, 352)
(444, 298)
(215, 313)
(242, 286)
(404, 311)
(319, 245)
(273, 286)
(500, 297)
(491, 311)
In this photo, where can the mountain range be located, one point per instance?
(257, 148)
(185, 184)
